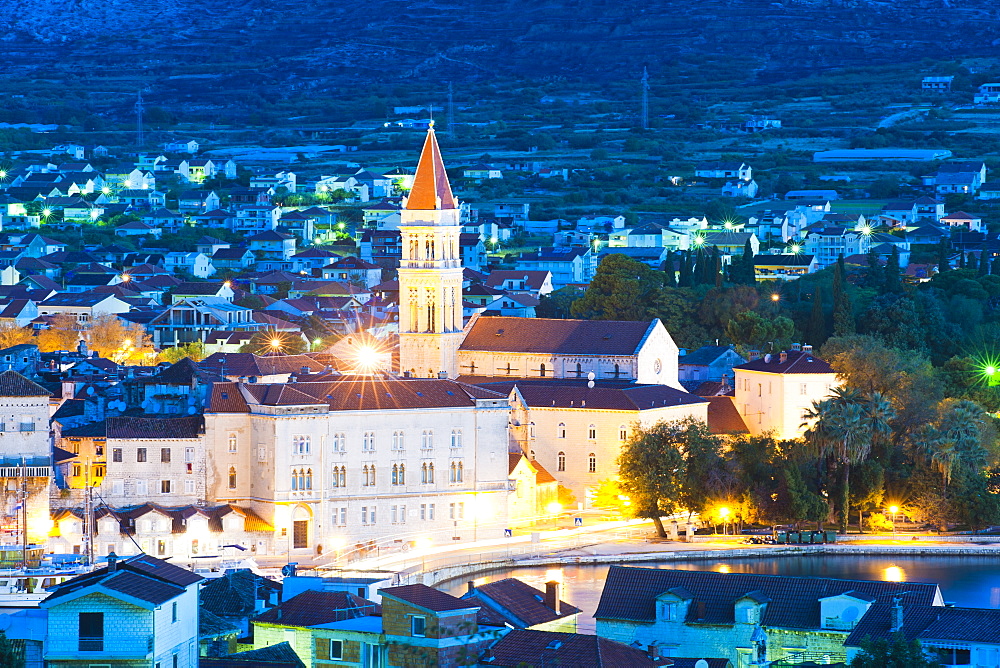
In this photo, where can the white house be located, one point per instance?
(137, 611)
(988, 93)
(830, 242)
(740, 189)
(25, 453)
(84, 306)
(774, 392)
(182, 146)
(198, 265)
(724, 170)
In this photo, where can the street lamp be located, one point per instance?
(894, 510)
(724, 513)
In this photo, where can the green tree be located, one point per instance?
(843, 312)
(867, 488)
(558, 303)
(622, 289)
(816, 328)
(11, 653)
(803, 504)
(896, 652)
(750, 329)
(844, 428)
(194, 350)
(651, 470)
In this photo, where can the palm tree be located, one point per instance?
(844, 428)
(956, 439)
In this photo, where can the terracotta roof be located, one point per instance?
(280, 655)
(157, 428)
(235, 594)
(427, 598)
(226, 398)
(533, 278)
(318, 607)
(930, 623)
(573, 393)
(630, 595)
(535, 649)
(795, 362)
(431, 189)
(520, 603)
(248, 364)
(13, 384)
(723, 416)
(549, 335)
(151, 579)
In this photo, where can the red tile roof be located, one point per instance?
(534, 649)
(426, 597)
(520, 603)
(567, 337)
(318, 607)
(723, 416)
(796, 362)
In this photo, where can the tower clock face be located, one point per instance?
(657, 365)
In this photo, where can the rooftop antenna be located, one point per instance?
(451, 110)
(645, 98)
(139, 139)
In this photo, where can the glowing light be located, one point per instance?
(276, 343)
(775, 297)
(893, 509)
(367, 358)
(494, 241)
(126, 278)
(46, 212)
(340, 226)
(3, 173)
(228, 284)
(866, 230)
(723, 569)
(893, 574)
(554, 508)
(990, 370)
(423, 543)
(317, 342)
(699, 241)
(728, 225)
(795, 248)
(106, 190)
(723, 512)
(94, 214)
(554, 575)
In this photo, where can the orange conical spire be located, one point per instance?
(431, 189)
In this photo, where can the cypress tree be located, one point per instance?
(750, 274)
(984, 263)
(843, 315)
(944, 263)
(971, 262)
(670, 279)
(892, 282)
(700, 277)
(817, 322)
(873, 275)
(995, 269)
(684, 278)
(717, 266)
(961, 259)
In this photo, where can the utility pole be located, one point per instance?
(139, 139)
(451, 110)
(645, 99)
(89, 516)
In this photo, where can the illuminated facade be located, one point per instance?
(430, 272)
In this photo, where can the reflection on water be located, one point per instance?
(965, 581)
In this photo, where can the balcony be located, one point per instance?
(82, 648)
(495, 485)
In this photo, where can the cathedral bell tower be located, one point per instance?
(430, 271)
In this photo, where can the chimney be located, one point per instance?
(782, 357)
(796, 346)
(896, 614)
(806, 348)
(112, 562)
(442, 375)
(552, 595)
(471, 585)
(753, 355)
(653, 650)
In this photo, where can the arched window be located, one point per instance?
(531, 455)
(453, 469)
(402, 474)
(592, 432)
(336, 476)
(617, 371)
(579, 370)
(232, 477)
(456, 438)
(295, 480)
(364, 475)
(427, 439)
(309, 479)
(343, 476)
(394, 478)
(561, 461)
(461, 472)
(368, 441)
(541, 370)
(561, 431)
(430, 473)
(592, 463)
(423, 474)
(373, 475)
(531, 430)
(622, 433)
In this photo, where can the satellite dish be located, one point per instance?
(591, 376)
(701, 663)
(590, 384)
(767, 358)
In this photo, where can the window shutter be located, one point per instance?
(322, 649)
